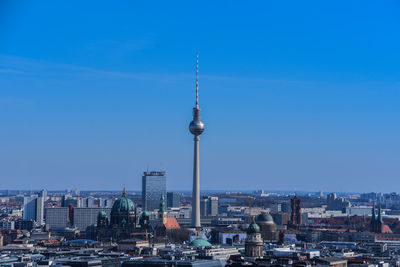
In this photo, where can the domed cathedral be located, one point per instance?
(253, 246)
(123, 217)
(122, 223)
(123, 212)
(267, 227)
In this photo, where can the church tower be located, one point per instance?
(162, 213)
(253, 246)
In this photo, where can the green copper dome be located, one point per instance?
(199, 242)
(253, 228)
(123, 203)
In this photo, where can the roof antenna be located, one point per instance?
(197, 81)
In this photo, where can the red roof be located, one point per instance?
(172, 223)
(386, 229)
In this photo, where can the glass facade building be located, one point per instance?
(34, 209)
(154, 184)
(173, 199)
(209, 206)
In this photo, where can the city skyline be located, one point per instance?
(292, 102)
(102, 105)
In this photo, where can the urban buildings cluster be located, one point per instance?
(238, 229)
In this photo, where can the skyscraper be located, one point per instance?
(154, 185)
(196, 127)
(43, 194)
(209, 206)
(34, 208)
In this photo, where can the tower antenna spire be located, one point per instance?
(197, 81)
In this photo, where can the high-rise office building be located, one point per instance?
(57, 217)
(196, 127)
(34, 209)
(173, 199)
(209, 206)
(43, 194)
(87, 202)
(105, 203)
(154, 185)
(295, 216)
(336, 203)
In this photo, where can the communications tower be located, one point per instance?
(196, 127)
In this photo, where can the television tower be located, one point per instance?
(196, 127)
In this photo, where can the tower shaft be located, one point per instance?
(196, 186)
(196, 127)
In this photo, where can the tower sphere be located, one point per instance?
(196, 127)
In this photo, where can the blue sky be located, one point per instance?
(294, 94)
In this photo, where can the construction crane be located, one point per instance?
(250, 198)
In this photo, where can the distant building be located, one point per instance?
(67, 200)
(209, 206)
(336, 203)
(226, 236)
(154, 185)
(24, 225)
(87, 202)
(223, 208)
(105, 203)
(173, 199)
(34, 209)
(6, 224)
(57, 217)
(358, 211)
(267, 227)
(285, 207)
(280, 218)
(76, 192)
(295, 207)
(43, 194)
(275, 207)
(369, 197)
(84, 217)
(70, 216)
